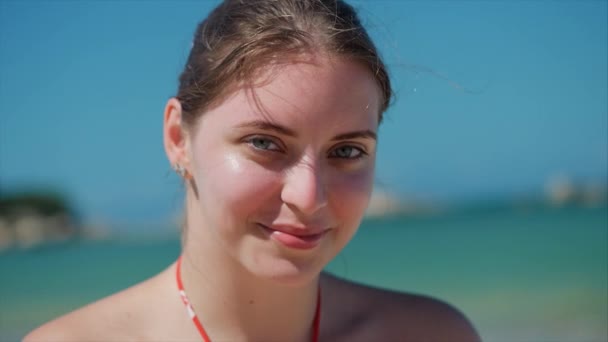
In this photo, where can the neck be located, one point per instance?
(233, 304)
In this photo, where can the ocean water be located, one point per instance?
(536, 275)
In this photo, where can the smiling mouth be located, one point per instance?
(292, 240)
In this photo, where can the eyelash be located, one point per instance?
(332, 154)
(361, 152)
(252, 139)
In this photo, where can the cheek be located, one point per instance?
(237, 185)
(351, 194)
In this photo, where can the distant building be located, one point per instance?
(561, 190)
(382, 203)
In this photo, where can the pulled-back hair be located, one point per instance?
(241, 37)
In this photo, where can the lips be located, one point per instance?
(295, 237)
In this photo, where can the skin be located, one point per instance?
(293, 155)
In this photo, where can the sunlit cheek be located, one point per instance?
(241, 185)
(234, 163)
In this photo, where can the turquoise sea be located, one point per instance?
(519, 275)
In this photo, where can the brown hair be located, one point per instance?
(240, 37)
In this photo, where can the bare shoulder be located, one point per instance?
(123, 316)
(106, 319)
(86, 323)
(378, 314)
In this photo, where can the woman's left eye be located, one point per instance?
(347, 152)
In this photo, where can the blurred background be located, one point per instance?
(491, 177)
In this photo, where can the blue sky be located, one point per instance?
(493, 98)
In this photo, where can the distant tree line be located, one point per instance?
(40, 203)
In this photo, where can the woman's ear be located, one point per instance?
(174, 136)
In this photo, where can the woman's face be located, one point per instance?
(284, 170)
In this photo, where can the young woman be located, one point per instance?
(274, 131)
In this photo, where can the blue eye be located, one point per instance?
(262, 143)
(347, 152)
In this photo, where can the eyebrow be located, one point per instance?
(356, 135)
(269, 126)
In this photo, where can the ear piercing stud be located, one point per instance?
(180, 170)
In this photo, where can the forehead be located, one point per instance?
(320, 91)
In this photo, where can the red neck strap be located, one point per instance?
(180, 286)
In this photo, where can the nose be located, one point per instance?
(304, 188)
